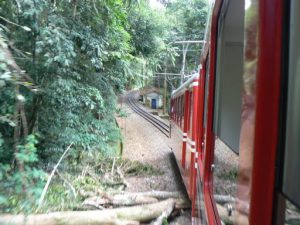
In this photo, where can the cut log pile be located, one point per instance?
(123, 209)
(154, 206)
(112, 207)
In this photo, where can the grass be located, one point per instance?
(93, 174)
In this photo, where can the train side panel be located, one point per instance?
(183, 126)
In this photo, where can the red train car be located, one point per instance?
(183, 128)
(236, 125)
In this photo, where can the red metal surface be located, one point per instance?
(172, 108)
(194, 138)
(267, 111)
(189, 154)
(201, 111)
(199, 138)
(177, 111)
(186, 120)
(212, 213)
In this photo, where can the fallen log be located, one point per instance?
(119, 200)
(231, 218)
(119, 216)
(223, 199)
(164, 215)
(225, 216)
(157, 194)
(130, 199)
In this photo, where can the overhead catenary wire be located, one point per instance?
(189, 42)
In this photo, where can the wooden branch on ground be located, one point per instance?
(164, 215)
(223, 199)
(120, 216)
(68, 183)
(50, 177)
(119, 172)
(113, 167)
(224, 215)
(119, 200)
(157, 194)
(130, 199)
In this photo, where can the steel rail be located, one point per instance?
(153, 120)
(157, 121)
(160, 125)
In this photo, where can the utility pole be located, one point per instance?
(184, 51)
(185, 46)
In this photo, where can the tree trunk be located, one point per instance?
(130, 199)
(124, 216)
(74, 8)
(164, 215)
(223, 199)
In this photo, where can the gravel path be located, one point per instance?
(143, 142)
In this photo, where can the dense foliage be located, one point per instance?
(62, 63)
(190, 20)
(187, 22)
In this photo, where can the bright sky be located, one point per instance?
(156, 4)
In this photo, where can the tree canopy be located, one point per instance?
(62, 64)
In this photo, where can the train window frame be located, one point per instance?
(176, 103)
(229, 51)
(206, 92)
(291, 143)
(172, 109)
(179, 111)
(230, 44)
(182, 111)
(190, 114)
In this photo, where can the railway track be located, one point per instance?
(160, 125)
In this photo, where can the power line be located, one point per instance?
(171, 74)
(189, 42)
(199, 50)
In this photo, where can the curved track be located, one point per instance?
(160, 125)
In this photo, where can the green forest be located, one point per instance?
(63, 64)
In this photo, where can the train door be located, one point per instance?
(153, 103)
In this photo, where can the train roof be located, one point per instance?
(185, 85)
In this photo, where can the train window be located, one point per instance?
(291, 178)
(176, 109)
(206, 92)
(172, 109)
(191, 114)
(228, 99)
(229, 73)
(292, 214)
(180, 106)
(182, 111)
(179, 110)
